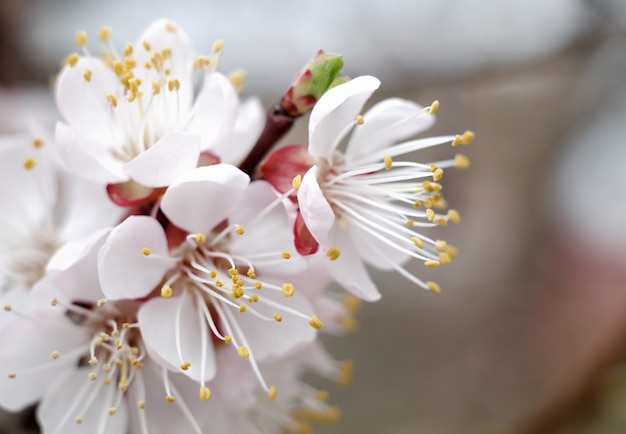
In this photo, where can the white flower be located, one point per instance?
(224, 282)
(86, 361)
(136, 118)
(361, 204)
(43, 208)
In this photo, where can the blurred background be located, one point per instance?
(529, 333)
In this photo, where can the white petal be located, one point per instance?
(385, 124)
(199, 200)
(271, 338)
(316, 211)
(83, 104)
(349, 271)
(215, 111)
(158, 319)
(125, 270)
(335, 111)
(74, 395)
(175, 154)
(87, 160)
(250, 122)
(28, 344)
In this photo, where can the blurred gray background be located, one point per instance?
(529, 333)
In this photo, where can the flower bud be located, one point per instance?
(318, 75)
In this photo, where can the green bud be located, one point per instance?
(319, 74)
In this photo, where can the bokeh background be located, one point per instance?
(529, 333)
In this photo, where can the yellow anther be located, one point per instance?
(433, 107)
(440, 220)
(258, 285)
(428, 203)
(286, 255)
(238, 79)
(452, 252)
(441, 246)
(134, 361)
(202, 61)
(87, 74)
(146, 251)
(433, 167)
(78, 420)
(430, 215)
(106, 367)
(333, 414)
(468, 137)
(126, 325)
(72, 59)
(315, 322)
(128, 49)
(242, 308)
(112, 99)
(388, 162)
(81, 38)
(173, 84)
(239, 229)
(146, 45)
(461, 161)
(251, 274)
(410, 223)
(296, 181)
(156, 88)
(219, 283)
(352, 303)
(453, 216)
(130, 63)
(8, 307)
(104, 33)
(92, 376)
(416, 204)
(55, 355)
(218, 46)
(107, 381)
(227, 339)
(288, 289)
(166, 53)
(418, 242)
(12, 375)
(345, 373)
(205, 393)
(169, 398)
(277, 317)
(431, 263)
(141, 404)
(433, 287)
(457, 140)
(444, 258)
(37, 142)
(243, 352)
(166, 291)
(118, 67)
(253, 298)
(321, 395)
(437, 174)
(213, 274)
(359, 120)
(185, 365)
(93, 361)
(271, 393)
(29, 164)
(200, 238)
(237, 292)
(171, 27)
(134, 351)
(333, 253)
(112, 411)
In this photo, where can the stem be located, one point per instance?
(278, 123)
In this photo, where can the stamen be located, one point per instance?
(461, 161)
(72, 59)
(286, 255)
(104, 33)
(112, 99)
(434, 287)
(431, 263)
(288, 290)
(243, 352)
(315, 322)
(166, 291)
(81, 38)
(271, 393)
(433, 107)
(87, 75)
(333, 253)
(388, 162)
(205, 393)
(37, 142)
(146, 251)
(359, 120)
(239, 229)
(296, 181)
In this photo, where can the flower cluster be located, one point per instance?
(147, 269)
